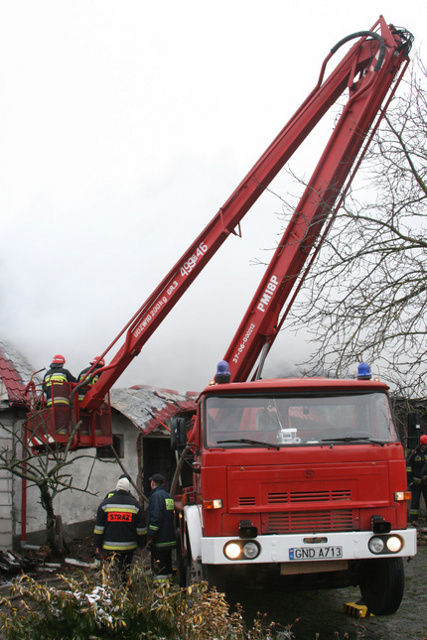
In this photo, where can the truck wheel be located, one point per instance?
(381, 583)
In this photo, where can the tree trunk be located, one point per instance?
(54, 542)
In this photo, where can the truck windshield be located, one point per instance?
(250, 421)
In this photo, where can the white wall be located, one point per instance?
(75, 506)
(6, 488)
(72, 505)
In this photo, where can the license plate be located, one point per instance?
(315, 553)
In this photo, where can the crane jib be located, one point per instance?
(367, 71)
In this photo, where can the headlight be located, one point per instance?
(376, 545)
(232, 550)
(251, 550)
(394, 544)
(242, 550)
(385, 544)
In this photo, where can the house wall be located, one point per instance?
(77, 508)
(6, 486)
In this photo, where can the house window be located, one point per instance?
(107, 453)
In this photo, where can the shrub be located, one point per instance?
(99, 606)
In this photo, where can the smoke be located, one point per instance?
(124, 129)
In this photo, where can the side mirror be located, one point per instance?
(178, 433)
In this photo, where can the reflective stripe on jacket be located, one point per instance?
(416, 466)
(56, 385)
(161, 527)
(94, 377)
(120, 523)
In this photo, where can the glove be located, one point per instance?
(150, 542)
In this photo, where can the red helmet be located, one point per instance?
(423, 439)
(58, 359)
(99, 362)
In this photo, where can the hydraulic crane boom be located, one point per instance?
(283, 468)
(260, 324)
(368, 70)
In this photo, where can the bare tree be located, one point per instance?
(366, 295)
(48, 468)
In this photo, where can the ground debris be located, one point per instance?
(10, 564)
(422, 536)
(35, 560)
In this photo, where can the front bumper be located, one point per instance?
(282, 548)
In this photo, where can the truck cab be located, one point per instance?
(302, 481)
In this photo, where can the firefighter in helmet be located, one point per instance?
(91, 378)
(57, 385)
(416, 469)
(56, 382)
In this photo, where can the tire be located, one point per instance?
(381, 583)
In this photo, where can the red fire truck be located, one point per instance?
(300, 481)
(376, 62)
(295, 480)
(289, 478)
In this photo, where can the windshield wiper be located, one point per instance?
(248, 441)
(353, 439)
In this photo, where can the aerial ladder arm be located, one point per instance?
(260, 324)
(371, 50)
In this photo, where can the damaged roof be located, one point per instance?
(15, 373)
(149, 407)
(146, 407)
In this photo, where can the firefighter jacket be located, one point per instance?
(161, 528)
(90, 380)
(416, 467)
(56, 385)
(120, 523)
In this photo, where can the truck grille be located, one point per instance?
(309, 520)
(299, 497)
(308, 496)
(314, 521)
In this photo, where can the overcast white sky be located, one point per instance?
(124, 127)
